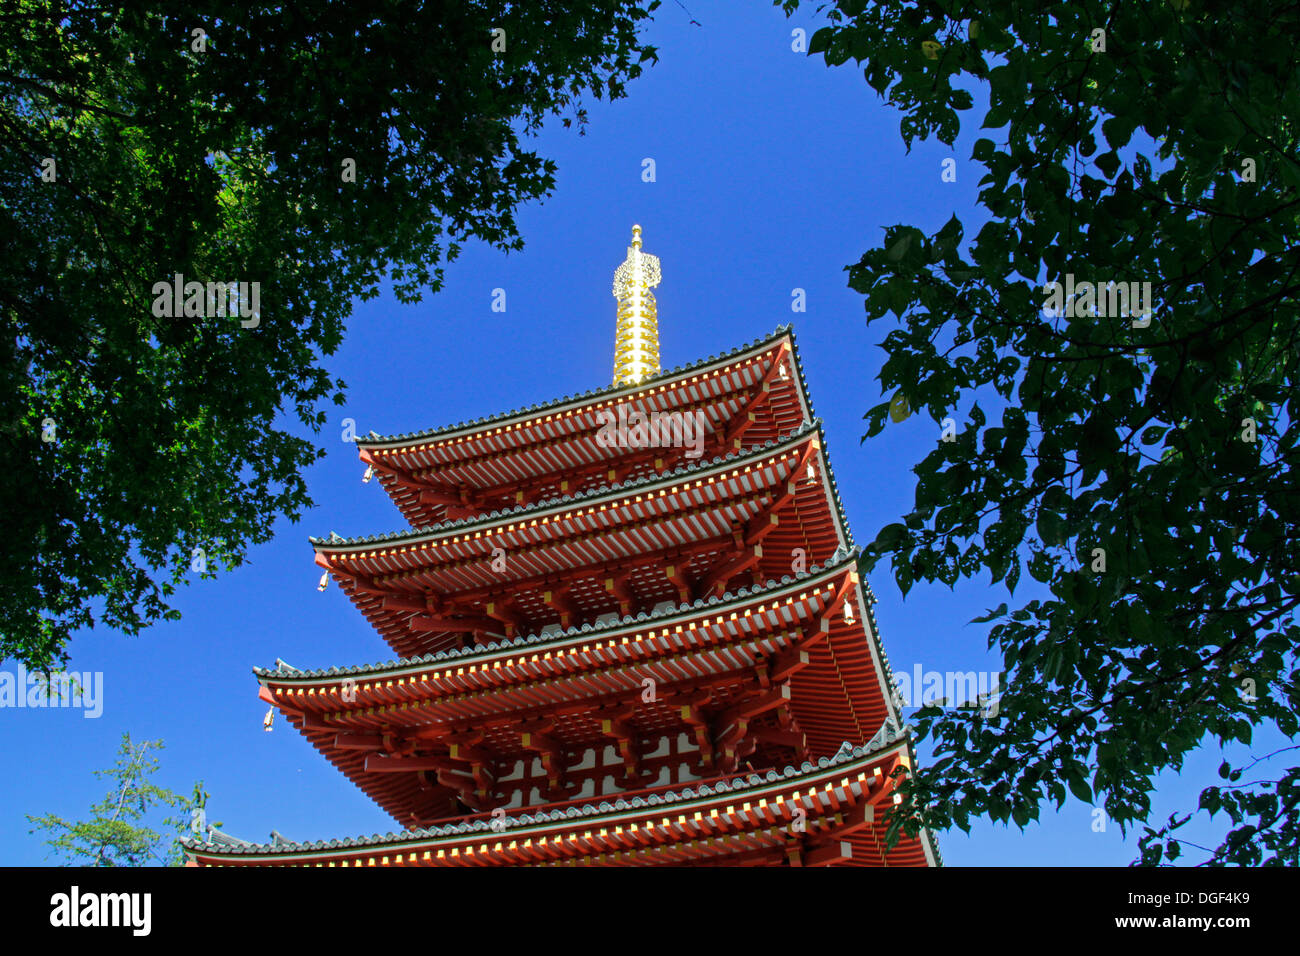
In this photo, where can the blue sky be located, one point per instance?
(773, 173)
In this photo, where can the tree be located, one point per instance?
(114, 835)
(1139, 460)
(303, 152)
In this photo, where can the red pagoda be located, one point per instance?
(629, 630)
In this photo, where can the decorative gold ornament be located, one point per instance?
(636, 341)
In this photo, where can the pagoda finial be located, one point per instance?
(636, 340)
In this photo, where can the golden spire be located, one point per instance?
(636, 342)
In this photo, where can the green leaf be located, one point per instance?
(1108, 163)
(1051, 527)
(1000, 610)
(1118, 130)
(899, 410)
(900, 247)
(1211, 800)
(996, 118)
(890, 537)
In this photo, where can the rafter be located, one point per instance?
(429, 492)
(525, 491)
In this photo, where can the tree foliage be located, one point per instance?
(212, 140)
(116, 833)
(1138, 467)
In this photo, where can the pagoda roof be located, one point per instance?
(837, 789)
(416, 587)
(492, 649)
(568, 402)
(733, 402)
(482, 653)
(560, 503)
(841, 686)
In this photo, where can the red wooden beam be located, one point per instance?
(787, 663)
(396, 602)
(620, 587)
(560, 599)
(692, 717)
(465, 624)
(625, 740)
(552, 758)
(679, 579)
(602, 569)
(841, 851)
(384, 763)
(429, 492)
(793, 739)
(716, 580)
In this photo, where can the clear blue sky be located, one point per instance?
(773, 173)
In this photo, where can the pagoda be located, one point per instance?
(629, 629)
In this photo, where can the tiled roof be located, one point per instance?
(888, 735)
(594, 394)
(591, 494)
(837, 560)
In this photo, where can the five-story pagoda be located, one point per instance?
(629, 629)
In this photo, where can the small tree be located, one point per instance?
(115, 834)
